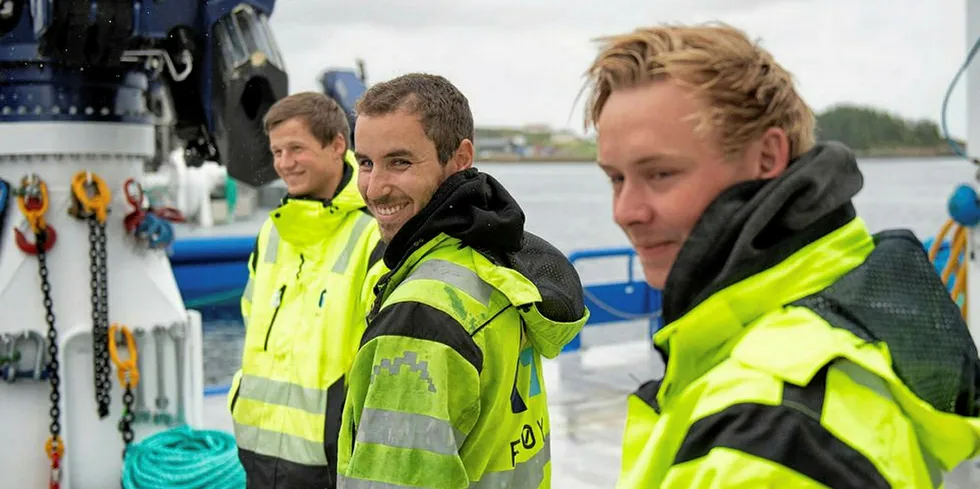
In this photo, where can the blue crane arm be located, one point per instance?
(203, 71)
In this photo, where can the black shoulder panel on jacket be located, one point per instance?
(424, 322)
(889, 298)
(789, 434)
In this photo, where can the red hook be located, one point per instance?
(31, 248)
(134, 196)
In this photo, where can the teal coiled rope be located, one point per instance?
(184, 458)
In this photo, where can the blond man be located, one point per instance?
(801, 350)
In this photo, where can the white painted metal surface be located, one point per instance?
(142, 293)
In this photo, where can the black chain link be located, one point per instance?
(53, 364)
(126, 422)
(100, 314)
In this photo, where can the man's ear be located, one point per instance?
(773, 153)
(463, 158)
(339, 145)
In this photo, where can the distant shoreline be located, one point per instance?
(504, 158)
(873, 154)
(901, 153)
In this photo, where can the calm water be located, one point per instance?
(570, 205)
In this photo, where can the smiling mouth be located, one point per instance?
(389, 210)
(653, 250)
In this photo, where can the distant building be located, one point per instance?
(536, 128)
(516, 145)
(564, 137)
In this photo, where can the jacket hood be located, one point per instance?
(755, 225)
(304, 221)
(476, 209)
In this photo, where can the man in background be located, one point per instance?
(800, 349)
(310, 277)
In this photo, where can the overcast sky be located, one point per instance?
(521, 61)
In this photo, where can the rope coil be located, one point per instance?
(184, 458)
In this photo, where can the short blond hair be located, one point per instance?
(743, 90)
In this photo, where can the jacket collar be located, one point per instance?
(304, 222)
(706, 334)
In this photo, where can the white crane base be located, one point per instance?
(142, 293)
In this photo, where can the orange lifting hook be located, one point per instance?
(129, 375)
(91, 196)
(32, 199)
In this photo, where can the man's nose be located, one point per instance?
(285, 160)
(634, 204)
(378, 185)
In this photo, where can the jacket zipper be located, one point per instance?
(379, 290)
(234, 399)
(268, 332)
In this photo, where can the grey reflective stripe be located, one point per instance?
(280, 445)
(409, 430)
(283, 394)
(525, 475)
(878, 385)
(865, 378)
(456, 275)
(344, 482)
(247, 295)
(271, 245)
(340, 266)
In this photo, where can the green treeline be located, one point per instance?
(873, 132)
(868, 131)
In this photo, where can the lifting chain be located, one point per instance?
(129, 378)
(91, 199)
(32, 198)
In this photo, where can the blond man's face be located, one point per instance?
(663, 172)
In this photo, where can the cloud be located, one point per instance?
(522, 62)
(427, 14)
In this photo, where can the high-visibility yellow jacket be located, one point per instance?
(806, 352)
(447, 391)
(310, 286)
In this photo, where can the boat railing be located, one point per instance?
(631, 299)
